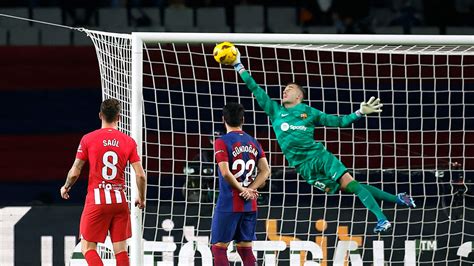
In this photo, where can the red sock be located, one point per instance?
(220, 256)
(247, 256)
(93, 258)
(122, 259)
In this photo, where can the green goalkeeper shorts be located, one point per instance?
(323, 171)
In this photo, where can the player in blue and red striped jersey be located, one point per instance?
(235, 216)
(106, 209)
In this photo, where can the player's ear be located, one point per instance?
(100, 115)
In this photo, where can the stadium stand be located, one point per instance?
(179, 19)
(113, 18)
(249, 19)
(47, 14)
(211, 19)
(283, 19)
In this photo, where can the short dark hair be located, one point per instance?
(303, 90)
(110, 109)
(233, 114)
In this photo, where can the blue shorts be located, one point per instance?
(238, 226)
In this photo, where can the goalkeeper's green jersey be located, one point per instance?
(294, 127)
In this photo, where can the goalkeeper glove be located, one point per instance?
(237, 64)
(371, 106)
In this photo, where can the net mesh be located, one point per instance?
(420, 144)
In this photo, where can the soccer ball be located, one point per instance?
(225, 53)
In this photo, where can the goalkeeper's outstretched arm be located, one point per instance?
(371, 106)
(323, 119)
(268, 105)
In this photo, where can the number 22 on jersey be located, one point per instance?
(242, 166)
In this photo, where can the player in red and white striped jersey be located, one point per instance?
(106, 210)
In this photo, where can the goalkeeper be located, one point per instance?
(294, 122)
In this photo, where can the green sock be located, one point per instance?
(366, 198)
(380, 194)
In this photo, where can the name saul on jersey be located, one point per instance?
(112, 142)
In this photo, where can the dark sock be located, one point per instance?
(380, 194)
(93, 258)
(220, 256)
(122, 259)
(246, 254)
(366, 198)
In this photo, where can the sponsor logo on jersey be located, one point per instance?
(286, 126)
(109, 186)
(283, 115)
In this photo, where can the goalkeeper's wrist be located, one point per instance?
(359, 113)
(239, 67)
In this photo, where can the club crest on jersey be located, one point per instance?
(304, 116)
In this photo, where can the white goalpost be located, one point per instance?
(173, 92)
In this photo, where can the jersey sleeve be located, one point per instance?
(220, 151)
(321, 118)
(268, 105)
(82, 150)
(133, 158)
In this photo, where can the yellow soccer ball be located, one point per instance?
(225, 53)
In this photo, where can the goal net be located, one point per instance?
(422, 143)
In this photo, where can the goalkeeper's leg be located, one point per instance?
(349, 185)
(328, 174)
(380, 194)
(400, 199)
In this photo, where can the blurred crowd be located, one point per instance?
(349, 16)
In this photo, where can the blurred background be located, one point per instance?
(49, 77)
(50, 92)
